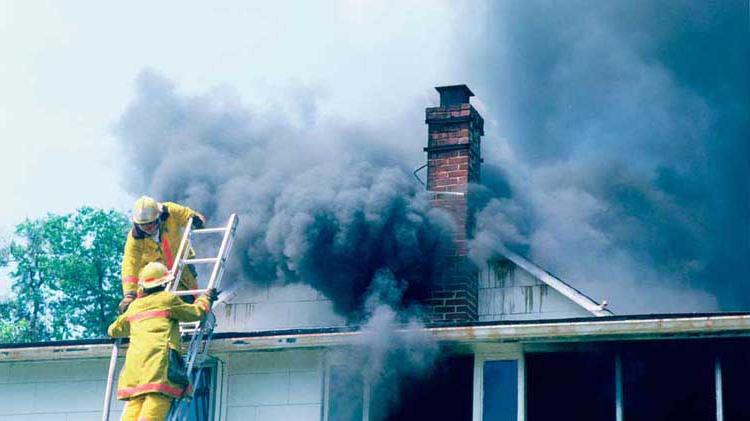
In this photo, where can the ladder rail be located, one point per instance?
(198, 339)
(110, 379)
(201, 335)
(176, 269)
(224, 250)
(213, 282)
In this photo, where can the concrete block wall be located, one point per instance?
(69, 390)
(270, 386)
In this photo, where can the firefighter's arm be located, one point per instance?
(131, 260)
(183, 214)
(192, 312)
(120, 328)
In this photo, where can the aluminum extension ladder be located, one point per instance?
(200, 332)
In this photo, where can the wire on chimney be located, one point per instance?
(436, 193)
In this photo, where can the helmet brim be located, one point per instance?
(143, 221)
(156, 282)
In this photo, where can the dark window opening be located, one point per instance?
(668, 381)
(576, 385)
(443, 394)
(735, 373)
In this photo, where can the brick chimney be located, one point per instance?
(453, 161)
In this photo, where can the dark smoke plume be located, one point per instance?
(319, 203)
(618, 145)
(391, 355)
(315, 206)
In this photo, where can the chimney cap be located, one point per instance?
(454, 95)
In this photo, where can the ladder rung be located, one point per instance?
(189, 292)
(201, 260)
(189, 327)
(208, 230)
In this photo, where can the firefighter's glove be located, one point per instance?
(212, 295)
(124, 303)
(199, 221)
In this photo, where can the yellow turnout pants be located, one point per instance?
(148, 407)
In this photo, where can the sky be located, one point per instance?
(617, 132)
(69, 71)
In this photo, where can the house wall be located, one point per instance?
(278, 307)
(269, 386)
(69, 390)
(507, 292)
(278, 385)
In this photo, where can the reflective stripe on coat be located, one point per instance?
(151, 322)
(141, 251)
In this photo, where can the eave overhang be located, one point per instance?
(643, 327)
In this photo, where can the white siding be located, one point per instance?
(280, 385)
(54, 391)
(507, 292)
(279, 307)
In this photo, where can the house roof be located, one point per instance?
(592, 329)
(556, 283)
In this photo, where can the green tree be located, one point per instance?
(65, 276)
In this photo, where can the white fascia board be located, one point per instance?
(619, 328)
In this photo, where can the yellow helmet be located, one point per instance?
(146, 210)
(153, 275)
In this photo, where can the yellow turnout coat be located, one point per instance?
(151, 322)
(141, 249)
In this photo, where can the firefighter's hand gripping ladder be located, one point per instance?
(199, 332)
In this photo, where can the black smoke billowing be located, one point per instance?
(619, 142)
(315, 205)
(617, 153)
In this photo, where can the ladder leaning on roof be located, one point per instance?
(200, 333)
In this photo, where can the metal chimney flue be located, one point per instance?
(454, 95)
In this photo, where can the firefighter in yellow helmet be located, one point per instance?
(155, 237)
(154, 374)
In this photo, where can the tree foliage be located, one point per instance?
(64, 272)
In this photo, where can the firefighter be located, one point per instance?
(154, 373)
(155, 237)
